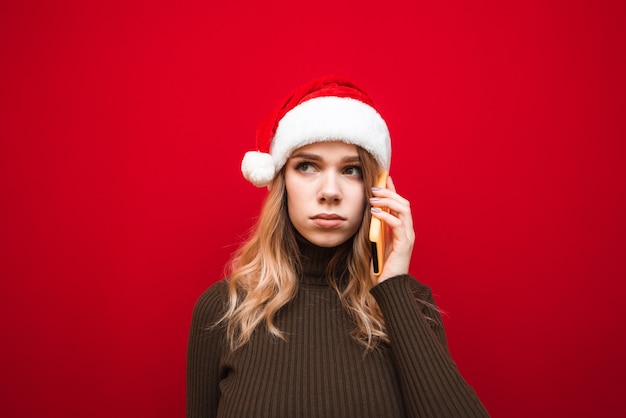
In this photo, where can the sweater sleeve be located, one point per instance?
(429, 379)
(204, 351)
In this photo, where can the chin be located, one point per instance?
(323, 240)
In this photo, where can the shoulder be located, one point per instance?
(419, 290)
(211, 304)
(406, 286)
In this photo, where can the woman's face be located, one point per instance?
(325, 192)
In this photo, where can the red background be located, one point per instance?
(122, 127)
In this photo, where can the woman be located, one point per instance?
(302, 327)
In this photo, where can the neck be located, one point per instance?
(315, 261)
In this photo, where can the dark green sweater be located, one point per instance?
(321, 371)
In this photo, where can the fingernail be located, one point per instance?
(376, 210)
(374, 199)
(375, 189)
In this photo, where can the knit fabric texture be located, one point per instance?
(320, 370)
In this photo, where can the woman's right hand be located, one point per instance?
(401, 236)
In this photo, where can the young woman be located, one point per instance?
(302, 327)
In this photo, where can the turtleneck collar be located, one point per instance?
(315, 259)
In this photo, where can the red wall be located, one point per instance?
(122, 127)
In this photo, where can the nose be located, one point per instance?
(330, 189)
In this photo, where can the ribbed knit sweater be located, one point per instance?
(320, 370)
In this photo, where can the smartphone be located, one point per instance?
(378, 232)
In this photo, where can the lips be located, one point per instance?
(327, 220)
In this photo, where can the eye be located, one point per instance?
(354, 171)
(305, 167)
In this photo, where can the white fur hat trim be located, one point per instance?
(258, 168)
(321, 119)
(331, 118)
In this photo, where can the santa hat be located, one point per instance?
(324, 109)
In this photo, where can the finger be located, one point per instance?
(390, 194)
(397, 214)
(397, 207)
(401, 227)
(388, 218)
(400, 234)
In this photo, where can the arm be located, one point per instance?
(203, 353)
(430, 381)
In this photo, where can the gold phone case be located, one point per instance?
(378, 233)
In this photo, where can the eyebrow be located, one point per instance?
(316, 157)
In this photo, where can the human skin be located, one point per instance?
(326, 200)
(325, 192)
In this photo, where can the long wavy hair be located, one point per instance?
(262, 276)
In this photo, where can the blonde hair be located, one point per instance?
(263, 271)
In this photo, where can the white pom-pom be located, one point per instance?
(258, 168)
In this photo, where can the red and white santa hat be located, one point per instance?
(324, 109)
